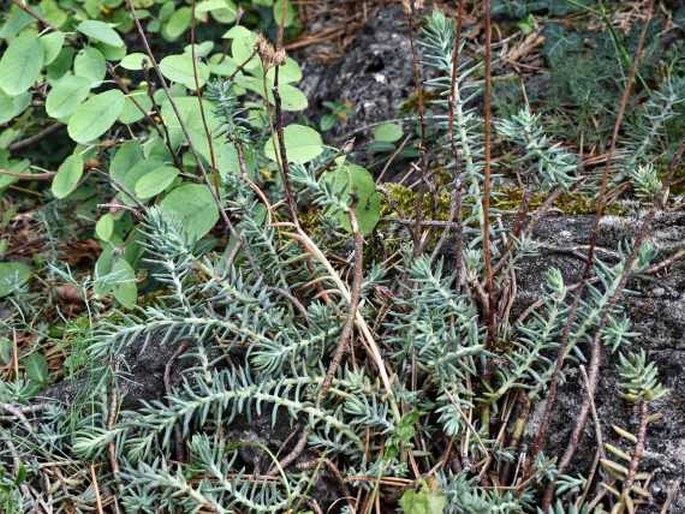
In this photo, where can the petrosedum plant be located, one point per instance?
(302, 372)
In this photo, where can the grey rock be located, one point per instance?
(656, 307)
(375, 75)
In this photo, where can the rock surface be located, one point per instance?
(656, 305)
(375, 76)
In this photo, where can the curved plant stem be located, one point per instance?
(355, 294)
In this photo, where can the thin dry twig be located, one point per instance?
(487, 176)
(355, 294)
(421, 108)
(96, 488)
(39, 136)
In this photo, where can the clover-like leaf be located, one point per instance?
(21, 64)
(95, 116)
(302, 144)
(68, 175)
(348, 180)
(155, 181)
(66, 95)
(100, 31)
(179, 68)
(193, 206)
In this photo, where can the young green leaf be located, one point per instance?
(132, 112)
(100, 31)
(302, 144)
(135, 61)
(350, 179)
(280, 10)
(155, 181)
(111, 53)
(68, 175)
(52, 44)
(387, 133)
(21, 64)
(104, 228)
(288, 73)
(66, 95)
(123, 278)
(193, 206)
(91, 64)
(223, 11)
(127, 178)
(36, 368)
(424, 501)
(178, 23)
(95, 116)
(11, 106)
(179, 68)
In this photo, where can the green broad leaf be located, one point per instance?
(288, 73)
(387, 133)
(101, 32)
(15, 21)
(135, 61)
(350, 179)
(13, 275)
(177, 24)
(21, 64)
(104, 228)
(61, 65)
(36, 368)
(123, 280)
(209, 5)
(66, 95)
(68, 175)
(193, 206)
(90, 63)
(165, 11)
(111, 53)
(52, 44)
(223, 11)
(243, 48)
(179, 68)
(222, 65)
(155, 148)
(11, 106)
(188, 109)
(424, 501)
(126, 156)
(226, 15)
(127, 178)
(292, 99)
(95, 116)
(284, 13)
(131, 112)
(302, 144)
(53, 13)
(201, 50)
(155, 182)
(103, 267)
